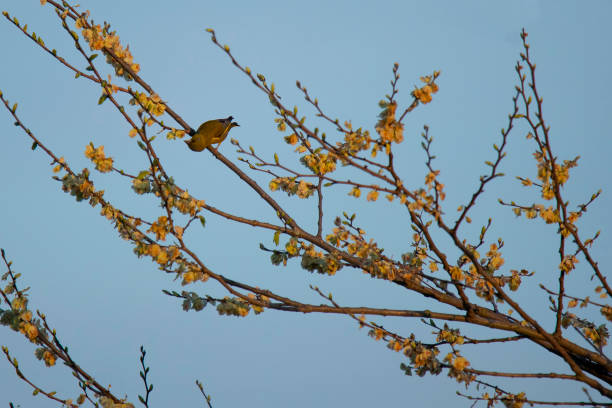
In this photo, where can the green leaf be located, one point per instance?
(276, 237)
(202, 220)
(103, 98)
(14, 108)
(34, 145)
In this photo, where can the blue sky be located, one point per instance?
(105, 302)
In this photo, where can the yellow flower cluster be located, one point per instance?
(545, 174)
(495, 259)
(153, 105)
(389, 129)
(355, 192)
(354, 141)
(96, 155)
(184, 202)
(160, 228)
(456, 273)
(384, 269)
(361, 248)
(458, 363)
(49, 358)
(482, 286)
(193, 275)
(372, 196)
(568, 263)
(424, 94)
(515, 280)
(19, 303)
(422, 358)
(26, 326)
(355, 245)
(549, 215)
(291, 186)
(162, 255)
(320, 163)
(109, 212)
(607, 312)
(291, 139)
(595, 336)
(450, 336)
(30, 330)
(100, 38)
(423, 201)
(316, 260)
(292, 246)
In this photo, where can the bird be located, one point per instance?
(209, 133)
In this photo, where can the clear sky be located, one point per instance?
(105, 302)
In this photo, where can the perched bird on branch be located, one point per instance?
(209, 133)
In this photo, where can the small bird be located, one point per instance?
(209, 133)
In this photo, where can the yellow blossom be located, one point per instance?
(162, 258)
(355, 192)
(460, 363)
(303, 190)
(189, 277)
(422, 358)
(547, 192)
(291, 246)
(389, 129)
(160, 228)
(291, 139)
(372, 195)
(496, 262)
(49, 358)
(30, 331)
(431, 176)
(96, 155)
(378, 334)
(549, 215)
(568, 263)
(456, 273)
(19, 303)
